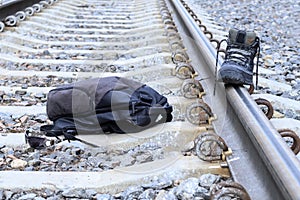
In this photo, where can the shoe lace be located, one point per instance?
(257, 60)
(235, 54)
(217, 61)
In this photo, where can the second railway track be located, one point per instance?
(158, 43)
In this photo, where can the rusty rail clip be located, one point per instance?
(270, 111)
(192, 88)
(295, 147)
(230, 190)
(211, 147)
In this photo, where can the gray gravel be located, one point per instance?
(76, 158)
(11, 123)
(197, 188)
(34, 81)
(22, 98)
(277, 24)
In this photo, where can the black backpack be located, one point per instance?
(104, 105)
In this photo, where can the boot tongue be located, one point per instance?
(241, 37)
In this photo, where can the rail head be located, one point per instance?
(11, 7)
(277, 157)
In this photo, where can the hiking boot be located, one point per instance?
(237, 68)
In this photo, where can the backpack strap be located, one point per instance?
(68, 133)
(50, 132)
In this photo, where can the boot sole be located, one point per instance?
(235, 76)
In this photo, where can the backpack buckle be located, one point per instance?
(69, 133)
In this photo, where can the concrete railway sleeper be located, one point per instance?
(22, 12)
(202, 154)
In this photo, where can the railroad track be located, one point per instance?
(161, 44)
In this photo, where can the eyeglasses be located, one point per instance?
(39, 143)
(36, 142)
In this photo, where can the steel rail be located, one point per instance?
(279, 160)
(12, 7)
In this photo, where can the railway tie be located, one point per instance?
(221, 140)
